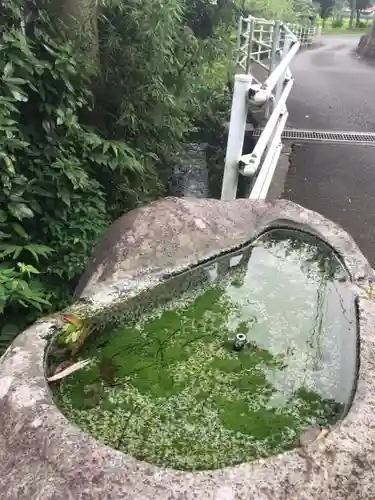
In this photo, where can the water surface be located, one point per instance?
(167, 386)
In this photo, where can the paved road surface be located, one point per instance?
(335, 91)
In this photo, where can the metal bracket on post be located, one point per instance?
(261, 163)
(236, 135)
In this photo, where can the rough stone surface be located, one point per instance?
(366, 47)
(44, 457)
(362, 44)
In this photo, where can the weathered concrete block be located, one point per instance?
(43, 456)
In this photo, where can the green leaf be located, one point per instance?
(65, 196)
(3, 216)
(7, 249)
(27, 268)
(18, 96)
(20, 211)
(16, 81)
(8, 70)
(20, 230)
(38, 250)
(9, 164)
(42, 192)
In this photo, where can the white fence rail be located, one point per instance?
(272, 45)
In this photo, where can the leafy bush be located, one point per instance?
(161, 82)
(57, 179)
(144, 87)
(337, 21)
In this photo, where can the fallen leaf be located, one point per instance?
(62, 366)
(68, 371)
(71, 319)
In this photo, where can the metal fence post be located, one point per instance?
(260, 46)
(280, 84)
(250, 31)
(236, 134)
(239, 40)
(275, 42)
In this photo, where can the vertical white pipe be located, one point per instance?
(280, 84)
(250, 32)
(236, 134)
(239, 40)
(273, 63)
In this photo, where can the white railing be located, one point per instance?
(305, 34)
(272, 45)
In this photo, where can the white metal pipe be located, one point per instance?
(290, 31)
(239, 33)
(252, 160)
(260, 63)
(274, 77)
(263, 193)
(259, 195)
(275, 40)
(272, 64)
(259, 21)
(280, 84)
(236, 134)
(261, 43)
(267, 170)
(249, 47)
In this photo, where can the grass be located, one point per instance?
(344, 29)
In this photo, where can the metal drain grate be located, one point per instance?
(325, 136)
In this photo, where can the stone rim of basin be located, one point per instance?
(73, 461)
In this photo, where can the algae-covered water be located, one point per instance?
(168, 387)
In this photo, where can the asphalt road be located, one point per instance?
(335, 91)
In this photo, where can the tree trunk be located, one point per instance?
(352, 13)
(368, 48)
(358, 20)
(372, 34)
(81, 20)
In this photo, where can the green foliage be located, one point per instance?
(326, 8)
(142, 81)
(170, 68)
(163, 85)
(337, 21)
(305, 10)
(204, 16)
(163, 78)
(56, 198)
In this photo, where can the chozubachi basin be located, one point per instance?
(168, 384)
(223, 351)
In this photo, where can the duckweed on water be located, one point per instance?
(169, 388)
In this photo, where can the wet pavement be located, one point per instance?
(334, 90)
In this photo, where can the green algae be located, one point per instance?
(167, 386)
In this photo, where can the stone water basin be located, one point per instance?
(184, 416)
(165, 384)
